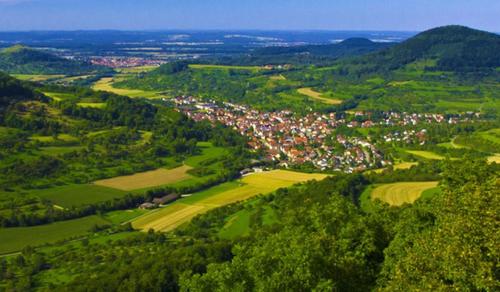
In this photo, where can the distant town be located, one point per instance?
(289, 139)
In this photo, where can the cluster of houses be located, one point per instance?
(290, 139)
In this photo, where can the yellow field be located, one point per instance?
(182, 211)
(106, 84)
(146, 179)
(318, 96)
(405, 165)
(495, 158)
(277, 77)
(426, 154)
(397, 194)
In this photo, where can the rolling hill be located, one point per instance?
(448, 48)
(24, 60)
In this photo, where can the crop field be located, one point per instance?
(182, 211)
(202, 66)
(106, 84)
(397, 194)
(426, 154)
(146, 179)
(17, 238)
(78, 195)
(318, 96)
(36, 78)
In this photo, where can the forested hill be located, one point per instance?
(13, 91)
(447, 48)
(24, 60)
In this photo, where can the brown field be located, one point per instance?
(146, 179)
(318, 96)
(397, 194)
(172, 216)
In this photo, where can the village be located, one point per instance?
(288, 139)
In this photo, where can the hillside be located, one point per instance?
(24, 60)
(447, 48)
(13, 91)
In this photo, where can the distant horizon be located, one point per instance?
(276, 15)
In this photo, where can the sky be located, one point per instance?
(397, 15)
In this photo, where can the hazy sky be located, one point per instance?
(413, 15)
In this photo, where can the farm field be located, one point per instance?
(182, 211)
(17, 238)
(146, 179)
(203, 66)
(78, 195)
(318, 96)
(397, 194)
(426, 154)
(36, 78)
(106, 84)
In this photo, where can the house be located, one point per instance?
(147, 206)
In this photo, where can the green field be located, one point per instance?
(426, 154)
(122, 216)
(237, 225)
(184, 210)
(15, 239)
(397, 194)
(106, 84)
(59, 150)
(78, 195)
(224, 67)
(35, 77)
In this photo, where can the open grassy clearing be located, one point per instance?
(92, 104)
(106, 84)
(60, 150)
(426, 154)
(36, 78)
(78, 195)
(397, 194)
(318, 96)
(17, 238)
(494, 159)
(51, 139)
(135, 70)
(123, 216)
(239, 224)
(250, 68)
(146, 179)
(397, 166)
(182, 211)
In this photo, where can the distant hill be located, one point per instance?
(23, 60)
(448, 48)
(348, 47)
(305, 55)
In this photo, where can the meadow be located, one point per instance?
(318, 96)
(17, 238)
(426, 154)
(106, 84)
(78, 195)
(226, 67)
(184, 210)
(397, 194)
(146, 179)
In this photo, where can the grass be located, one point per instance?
(208, 152)
(146, 179)
(397, 194)
(123, 216)
(494, 159)
(184, 210)
(224, 67)
(135, 70)
(59, 150)
(106, 84)
(318, 96)
(17, 238)
(35, 77)
(426, 154)
(78, 195)
(237, 225)
(51, 139)
(92, 104)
